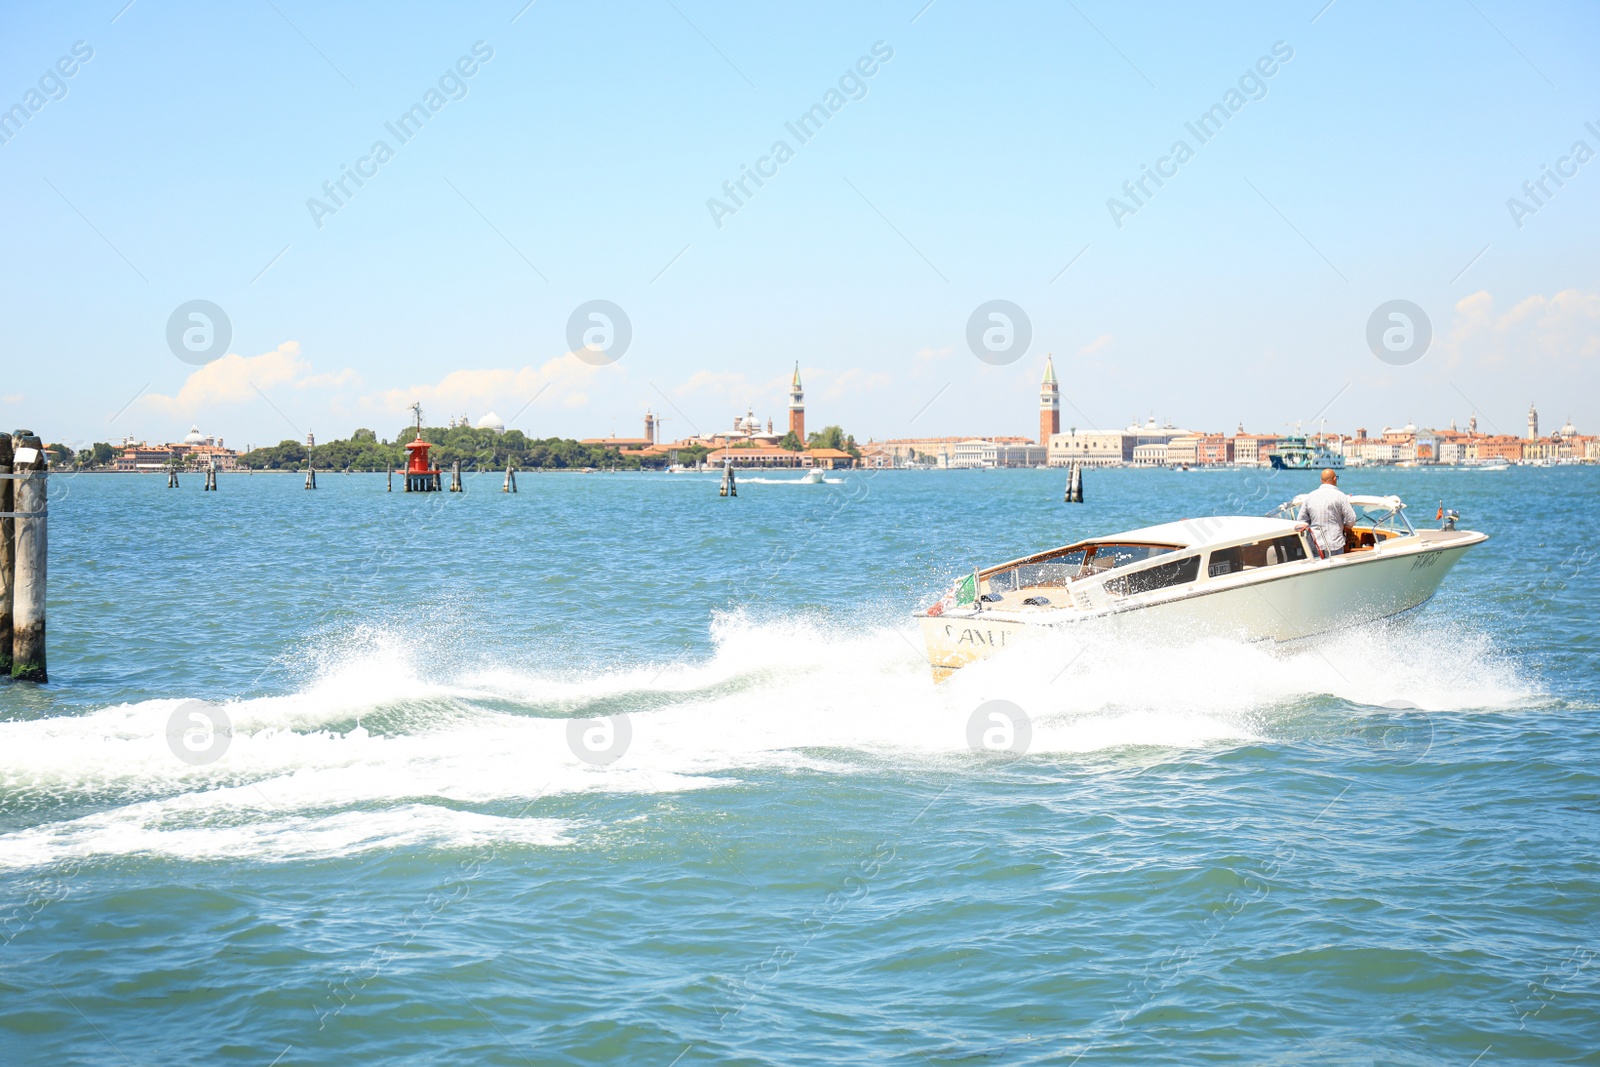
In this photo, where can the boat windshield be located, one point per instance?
(1372, 513)
(1381, 517)
(1077, 562)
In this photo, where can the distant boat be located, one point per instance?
(1295, 454)
(814, 476)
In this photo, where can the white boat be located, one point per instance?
(815, 476)
(1256, 578)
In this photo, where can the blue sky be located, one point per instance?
(976, 164)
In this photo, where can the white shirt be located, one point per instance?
(1329, 512)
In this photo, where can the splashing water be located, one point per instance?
(370, 754)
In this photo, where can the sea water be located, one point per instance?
(615, 770)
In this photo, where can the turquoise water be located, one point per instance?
(1379, 847)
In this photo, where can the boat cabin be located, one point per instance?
(1103, 571)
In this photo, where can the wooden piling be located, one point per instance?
(511, 480)
(455, 477)
(30, 470)
(172, 477)
(730, 485)
(311, 477)
(391, 481)
(8, 567)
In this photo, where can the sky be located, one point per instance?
(1357, 153)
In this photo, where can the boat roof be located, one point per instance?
(1208, 530)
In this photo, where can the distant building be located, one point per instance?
(1253, 449)
(1049, 404)
(982, 452)
(1393, 446)
(797, 406)
(1150, 455)
(1114, 448)
(1090, 449)
(629, 444)
(1184, 451)
(917, 451)
(196, 450)
(1213, 450)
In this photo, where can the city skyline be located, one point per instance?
(1202, 221)
(1047, 411)
(1255, 444)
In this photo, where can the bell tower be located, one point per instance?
(797, 407)
(1049, 403)
(1533, 424)
(649, 426)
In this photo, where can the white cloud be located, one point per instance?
(473, 392)
(1559, 329)
(854, 382)
(235, 378)
(926, 358)
(348, 376)
(1096, 345)
(735, 387)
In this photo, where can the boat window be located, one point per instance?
(1161, 576)
(1257, 554)
(1055, 571)
(1106, 557)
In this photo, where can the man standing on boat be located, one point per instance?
(1329, 513)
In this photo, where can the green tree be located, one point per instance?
(103, 454)
(827, 437)
(791, 442)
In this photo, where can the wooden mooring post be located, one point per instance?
(1074, 493)
(511, 480)
(391, 481)
(30, 470)
(311, 477)
(455, 477)
(172, 477)
(730, 485)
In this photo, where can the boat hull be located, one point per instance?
(1299, 601)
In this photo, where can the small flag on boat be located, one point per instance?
(1441, 511)
(967, 589)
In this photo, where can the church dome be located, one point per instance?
(493, 422)
(195, 437)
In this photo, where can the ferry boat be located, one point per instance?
(1257, 578)
(1294, 453)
